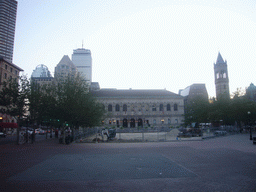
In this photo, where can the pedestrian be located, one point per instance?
(56, 133)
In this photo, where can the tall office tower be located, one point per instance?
(83, 61)
(221, 78)
(8, 9)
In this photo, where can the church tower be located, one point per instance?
(221, 78)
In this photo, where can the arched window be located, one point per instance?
(168, 107)
(223, 74)
(117, 107)
(217, 75)
(124, 107)
(125, 123)
(175, 107)
(153, 108)
(109, 107)
(161, 107)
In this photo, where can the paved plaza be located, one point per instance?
(217, 164)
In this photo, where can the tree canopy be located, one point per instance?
(66, 102)
(238, 110)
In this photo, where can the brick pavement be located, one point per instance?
(219, 164)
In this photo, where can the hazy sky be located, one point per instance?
(142, 44)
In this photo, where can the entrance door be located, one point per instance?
(132, 123)
(125, 124)
(140, 122)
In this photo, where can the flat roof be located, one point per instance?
(135, 93)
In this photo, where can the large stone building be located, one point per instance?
(8, 9)
(127, 108)
(221, 78)
(8, 71)
(140, 108)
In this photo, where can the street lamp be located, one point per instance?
(249, 113)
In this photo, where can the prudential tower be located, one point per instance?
(82, 59)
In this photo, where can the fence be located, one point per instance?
(152, 134)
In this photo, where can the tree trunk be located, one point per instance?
(46, 132)
(18, 132)
(18, 135)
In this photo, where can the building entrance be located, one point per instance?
(132, 124)
(125, 124)
(140, 123)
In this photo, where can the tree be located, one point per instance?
(66, 102)
(223, 111)
(75, 105)
(197, 110)
(14, 100)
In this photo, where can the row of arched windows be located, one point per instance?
(220, 75)
(161, 107)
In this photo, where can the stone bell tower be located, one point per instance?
(221, 78)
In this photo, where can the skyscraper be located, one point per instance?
(83, 62)
(221, 78)
(8, 9)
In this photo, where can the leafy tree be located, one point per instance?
(224, 110)
(197, 110)
(34, 98)
(75, 105)
(66, 102)
(14, 100)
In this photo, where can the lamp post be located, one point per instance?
(249, 113)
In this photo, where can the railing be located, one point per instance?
(151, 134)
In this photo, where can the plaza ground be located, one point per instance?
(218, 164)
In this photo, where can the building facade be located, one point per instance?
(8, 71)
(8, 10)
(83, 61)
(41, 75)
(141, 108)
(64, 68)
(221, 78)
(193, 92)
(251, 92)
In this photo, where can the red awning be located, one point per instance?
(8, 125)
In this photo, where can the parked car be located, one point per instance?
(25, 130)
(42, 132)
(37, 131)
(220, 133)
(190, 132)
(2, 134)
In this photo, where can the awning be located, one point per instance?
(8, 125)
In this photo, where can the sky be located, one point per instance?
(142, 44)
